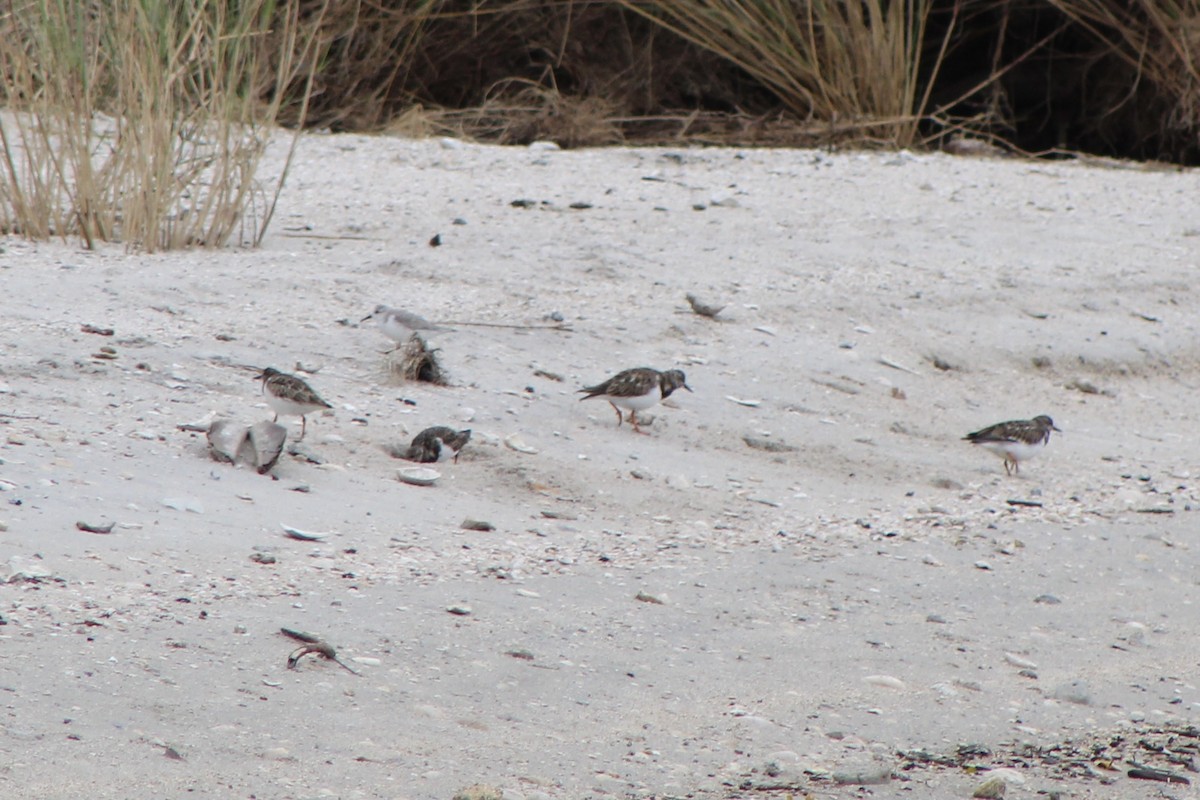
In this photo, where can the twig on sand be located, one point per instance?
(1027, 503)
(1154, 774)
(312, 644)
(558, 326)
(320, 648)
(889, 362)
(300, 636)
(333, 236)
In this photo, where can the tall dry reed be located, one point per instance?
(854, 65)
(1159, 41)
(144, 122)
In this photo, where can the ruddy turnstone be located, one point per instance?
(438, 443)
(637, 389)
(398, 324)
(1016, 440)
(289, 395)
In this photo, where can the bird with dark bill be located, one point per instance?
(636, 390)
(438, 443)
(290, 396)
(398, 324)
(1016, 440)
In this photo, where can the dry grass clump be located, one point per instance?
(141, 121)
(418, 362)
(144, 121)
(856, 66)
(527, 113)
(372, 57)
(578, 72)
(1143, 71)
(1116, 76)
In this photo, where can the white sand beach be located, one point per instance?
(800, 577)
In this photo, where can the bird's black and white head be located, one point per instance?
(1046, 423)
(456, 439)
(671, 380)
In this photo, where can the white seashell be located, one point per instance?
(1018, 661)
(741, 402)
(418, 476)
(886, 681)
(515, 442)
(304, 536)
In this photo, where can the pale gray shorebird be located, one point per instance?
(290, 396)
(637, 389)
(399, 324)
(1016, 440)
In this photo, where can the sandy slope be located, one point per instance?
(865, 591)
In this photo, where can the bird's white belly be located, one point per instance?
(285, 407)
(1017, 451)
(637, 403)
(394, 330)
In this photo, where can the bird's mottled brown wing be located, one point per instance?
(1016, 430)
(430, 437)
(1028, 431)
(292, 388)
(630, 383)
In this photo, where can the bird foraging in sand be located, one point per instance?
(1016, 440)
(438, 443)
(290, 396)
(637, 389)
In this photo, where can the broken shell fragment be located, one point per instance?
(515, 442)
(304, 536)
(267, 439)
(258, 445)
(225, 437)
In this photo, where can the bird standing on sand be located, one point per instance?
(637, 389)
(438, 443)
(289, 395)
(1016, 440)
(398, 324)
